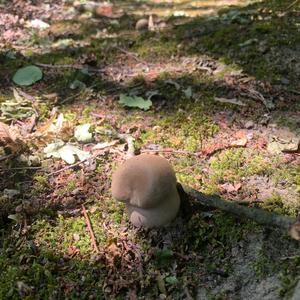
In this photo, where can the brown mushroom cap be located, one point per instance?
(147, 184)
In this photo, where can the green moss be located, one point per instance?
(116, 211)
(156, 49)
(68, 187)
(185, 129)
(282, 206)
(231, 165)
(215, 234)
(290, 175)
(188, 171)
(66, 233)
(40, 183)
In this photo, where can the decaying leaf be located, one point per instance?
(241, 139)
(104, 145)
(229, 187)
(10, 193)
(66, 152)
(82, 133)
(283, 141)
(57, 126)
(9, 140)
(16, 108)
(134, 101)
(231, 101)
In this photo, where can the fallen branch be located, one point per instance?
(90, 228)
(258, 215)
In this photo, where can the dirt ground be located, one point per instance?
(213, 86)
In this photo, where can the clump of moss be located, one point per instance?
(276, 203)
(67, 232)
(233, 164)
(156, 49)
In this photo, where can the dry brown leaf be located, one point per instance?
(9, 140)
(230, 188)
(4, 132)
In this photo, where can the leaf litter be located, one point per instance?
(141, 262)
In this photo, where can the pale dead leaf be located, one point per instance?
(230, 188)
(239, 143)
(231, 101)
(240, 139)
(9, 140)
(151, 23)
(104, 145)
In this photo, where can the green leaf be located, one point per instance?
(82, 133)
(134, 101)
(77, 84)
(164, 257)
(15, 217)
(171, 280)
(28, 75)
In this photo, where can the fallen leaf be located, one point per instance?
(134, 101)
(230, 188)
(104, 145)
(66, 152)
(28, 75)
(82, 133)
(37, 24)
(10, 193)
(231, 101)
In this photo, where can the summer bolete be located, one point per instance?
(147, 185)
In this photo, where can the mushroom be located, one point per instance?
(147, 185)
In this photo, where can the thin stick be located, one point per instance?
(89, 225)
(76, 67)
(292, 4)
(68, 167)
(258, 215)
(6, 157)
(21, 168)
(131, 54)
(170, 151)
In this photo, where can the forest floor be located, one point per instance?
(214, 87)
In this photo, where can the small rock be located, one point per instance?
(162, 25)
(263, 47)
(285, 81)
(249, 124)
(141, 25)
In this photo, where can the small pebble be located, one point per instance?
(285, 81)
(249, 124)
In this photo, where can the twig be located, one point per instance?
(258, 215)
(170, 151)
(69, 166)
(76, 67)
(133, 55)
(89, 225)
(292, 4)
(21, 168)
(6, 157)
